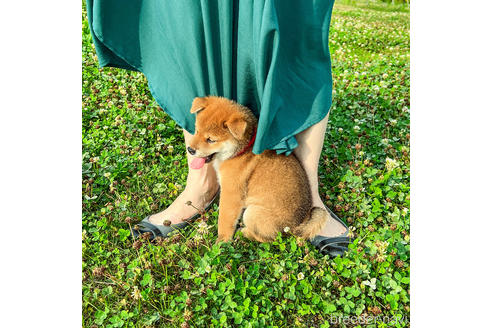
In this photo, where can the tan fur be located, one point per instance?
(313, 224)
(272, 189)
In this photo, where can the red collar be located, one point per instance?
(251, 142)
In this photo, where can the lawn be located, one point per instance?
(134, 164)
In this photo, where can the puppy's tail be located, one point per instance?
(313, 224)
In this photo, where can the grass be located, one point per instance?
(134, 164)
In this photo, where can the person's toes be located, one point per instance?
(333, 228)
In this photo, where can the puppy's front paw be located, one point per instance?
(222, 239)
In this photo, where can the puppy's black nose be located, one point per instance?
(191, 151)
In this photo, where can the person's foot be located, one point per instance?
(200, 189)
(333, 239)
(332, 228)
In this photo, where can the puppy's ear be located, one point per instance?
(237, 126)
(198, 104)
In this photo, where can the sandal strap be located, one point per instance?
(328, 248)
(333, 244)
(147, 226)
(335, 240)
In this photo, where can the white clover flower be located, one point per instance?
(136, 293)
(197, 237)
(300, 276)
(382, 246)
(107, 174)
(391, 164)
(393, 122)
(356, 128)
(202, 228)
(340, 130)
(371, 283)
(286, 229)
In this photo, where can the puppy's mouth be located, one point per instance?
(209, 158)
(198, 162)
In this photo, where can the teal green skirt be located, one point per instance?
(271, 56)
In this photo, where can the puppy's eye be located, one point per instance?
(210, 140)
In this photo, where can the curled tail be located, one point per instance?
(313, 224)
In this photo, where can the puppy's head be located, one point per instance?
(222, 129)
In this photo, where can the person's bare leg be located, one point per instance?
(201, 186)
(308, 152)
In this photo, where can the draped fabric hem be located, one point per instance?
(104, 62)
(287, 144)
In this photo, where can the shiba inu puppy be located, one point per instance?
(270, 191)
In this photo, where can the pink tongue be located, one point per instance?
(198, 163)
